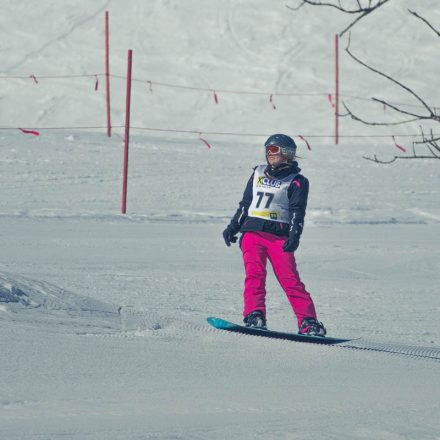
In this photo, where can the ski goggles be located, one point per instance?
(273, 149)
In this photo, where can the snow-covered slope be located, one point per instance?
(257, 46)
(102, 316)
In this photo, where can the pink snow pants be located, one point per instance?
(257, 247)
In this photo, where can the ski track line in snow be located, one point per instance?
(58, 38)
(246, 53)
(414, 351)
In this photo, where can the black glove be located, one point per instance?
(291, 244)
(229, 236)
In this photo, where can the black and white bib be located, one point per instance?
(270, 199)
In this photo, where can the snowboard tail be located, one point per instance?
(222, 324)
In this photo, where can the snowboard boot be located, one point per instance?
(312, 327)
(255, 319)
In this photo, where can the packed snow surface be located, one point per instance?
(103, 315)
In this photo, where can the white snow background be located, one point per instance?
(103, 315)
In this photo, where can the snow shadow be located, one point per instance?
(47, 307)
(44, 305)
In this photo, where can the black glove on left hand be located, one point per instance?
(291, 244)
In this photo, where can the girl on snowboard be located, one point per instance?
(270, 218)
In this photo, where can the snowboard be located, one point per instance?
(221, 324)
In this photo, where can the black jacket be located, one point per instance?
(297, 194)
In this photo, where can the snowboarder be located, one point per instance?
(270, 218)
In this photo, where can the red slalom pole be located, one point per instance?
(336, 89)
(127, 133)
(107, 75)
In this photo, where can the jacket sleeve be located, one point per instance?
(242, 211)
(298, 193)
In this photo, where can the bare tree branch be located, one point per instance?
(425, 21)
(397, 109)
(363, 11)
(432, 151)
(431, 143)
(339, 7)
(376, 160)
(432, 115)
(354, 22)
(434, 145)
(295, 8)
(363, 121)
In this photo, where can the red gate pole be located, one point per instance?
(336, 89)
(107, 75)
(127, 133)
